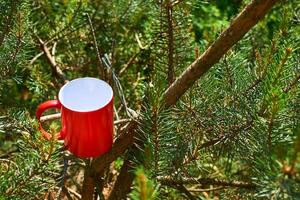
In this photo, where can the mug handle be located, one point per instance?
(42, 108)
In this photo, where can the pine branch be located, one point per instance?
(102, 73)
(8, 23)
(254, 12)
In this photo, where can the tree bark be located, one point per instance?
(123, 184)
(239, 26)
(88, 188)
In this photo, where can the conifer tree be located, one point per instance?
(206, 95)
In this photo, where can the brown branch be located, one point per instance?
(100, 163)
(171, 71)
(119, 147)
(54, 67)
(183, 189)
(129, 63)
(58, 115)
(239, 26)
(123, 183)
(205, 181)
(36, 57)
(78, 196)
(88, 187)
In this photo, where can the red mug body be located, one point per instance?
(86, 106)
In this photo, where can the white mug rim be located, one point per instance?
(79, 79)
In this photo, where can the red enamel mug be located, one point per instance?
(86, 106)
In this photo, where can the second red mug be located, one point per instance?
(86, 106)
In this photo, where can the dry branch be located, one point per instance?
(255, 11)
(50, 117)
(58, 115)
(102, 73)
(205, 181)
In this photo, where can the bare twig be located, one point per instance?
(53, 49)
(50, 117)
(122, 121)
(139, 42)
(35, 58)
(205, 190)
(55, 69)
(78, 196)
(129, 63)
(102, 73)
(58, 115)
(176, 2)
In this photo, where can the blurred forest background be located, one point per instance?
(234, 134)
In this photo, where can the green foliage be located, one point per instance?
(240, 121)
(30, 166)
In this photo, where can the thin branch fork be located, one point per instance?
(167, 180)
(54, 67)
